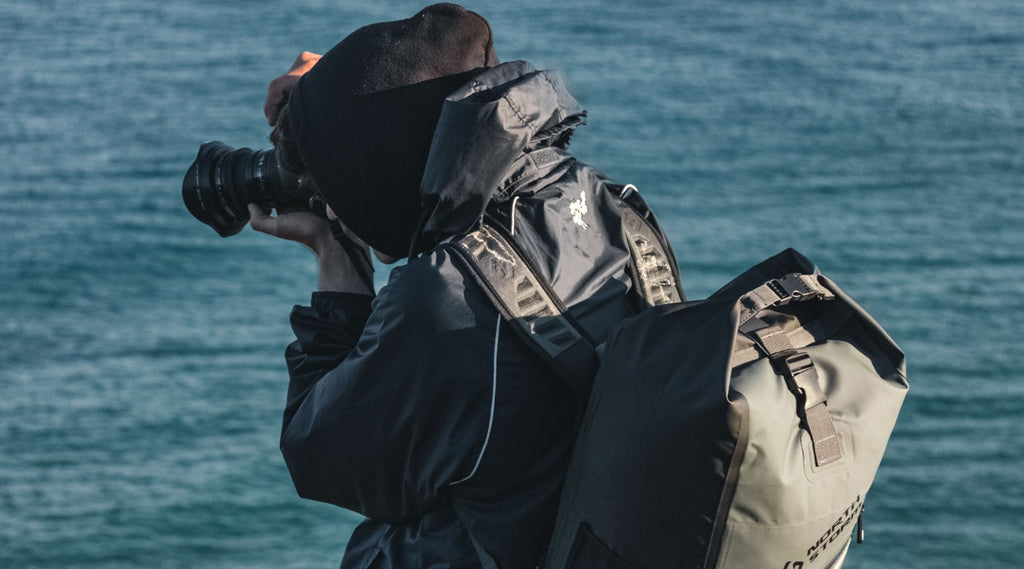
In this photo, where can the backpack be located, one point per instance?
(742, 431)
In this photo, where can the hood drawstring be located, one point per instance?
(512, 226)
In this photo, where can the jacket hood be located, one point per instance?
(484, 126)
(362, 118)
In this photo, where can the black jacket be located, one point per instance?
(421, 408)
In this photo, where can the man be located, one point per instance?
(420, 407)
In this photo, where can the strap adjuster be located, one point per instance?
(794, 288)
(799, 368)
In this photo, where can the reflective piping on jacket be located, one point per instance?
(494, 395)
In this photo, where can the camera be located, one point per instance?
(223, 180)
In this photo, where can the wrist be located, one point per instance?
(337, 271)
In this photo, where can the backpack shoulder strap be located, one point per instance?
(656, 272)
(525, 299)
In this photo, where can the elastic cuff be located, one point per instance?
(347, 301)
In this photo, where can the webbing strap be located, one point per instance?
(658, 282)
(779, 292)
(523, 298)
(802, 379)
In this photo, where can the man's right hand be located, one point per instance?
(297, 224)
(337, 269)
(278, 87)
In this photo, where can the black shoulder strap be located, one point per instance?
(526, 300)
(656, 271)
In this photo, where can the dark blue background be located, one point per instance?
(141, 368)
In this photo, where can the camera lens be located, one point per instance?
(223, 180)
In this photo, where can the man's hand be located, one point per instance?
(338, 270)
(278, 87)
(297, 225)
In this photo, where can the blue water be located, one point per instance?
(141, 369)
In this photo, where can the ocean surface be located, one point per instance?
(142, 376)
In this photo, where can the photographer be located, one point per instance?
(420, 407)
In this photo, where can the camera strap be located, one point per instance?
(359, 255)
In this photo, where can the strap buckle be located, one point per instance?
(798, 368)
(812, 404)
(795, 288)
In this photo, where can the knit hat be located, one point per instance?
(362, 119)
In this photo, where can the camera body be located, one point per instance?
(222, 181)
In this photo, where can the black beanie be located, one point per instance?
(363, 117)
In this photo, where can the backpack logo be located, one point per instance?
(578, 209)
(837, 530)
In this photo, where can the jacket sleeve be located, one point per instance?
(388, 401)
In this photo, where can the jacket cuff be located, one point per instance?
(346, 301)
